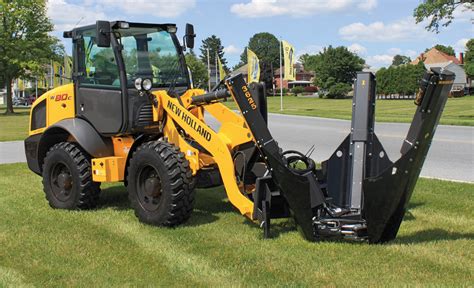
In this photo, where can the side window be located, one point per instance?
(100, 65)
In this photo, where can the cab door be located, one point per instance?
(98, 91)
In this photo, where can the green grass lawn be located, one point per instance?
(458, 111)
(218, 247)
(14, 127)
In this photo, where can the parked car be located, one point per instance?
(19, 101)
(30, 99)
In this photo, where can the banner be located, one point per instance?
(289, 61)
(253, 68)
(58, 71)
(222, 73)
(20, 85)
(67, 69)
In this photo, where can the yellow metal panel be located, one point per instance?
(122, 145)
(192, 154)
(213, 143)
(108, 169)
(60, 104)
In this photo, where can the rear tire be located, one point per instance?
(161, 186)
(67, 178)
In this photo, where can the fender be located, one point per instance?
(36, 146)
(85, 135)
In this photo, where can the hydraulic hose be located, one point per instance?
(210, 97)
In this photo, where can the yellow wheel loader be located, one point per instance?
(131, 115)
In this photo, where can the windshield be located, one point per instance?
(151, 53)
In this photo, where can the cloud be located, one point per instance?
(357, 48)
(160, 8)
(367, 5)
(401, 30)
(460, 45)
(385, 59)
(231, 49)
(463, 14)
(297, 8)
(310, 49)
(379, 60)
(65, 14)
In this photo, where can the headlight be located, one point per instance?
(138, 84)
(147, 84)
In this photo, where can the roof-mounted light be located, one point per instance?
(123, 25)
(172, 29)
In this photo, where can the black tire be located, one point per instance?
(161, 186)
(67, 178)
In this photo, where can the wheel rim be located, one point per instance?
(61, 182)
(149, 188)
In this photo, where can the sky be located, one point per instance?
(374, 29)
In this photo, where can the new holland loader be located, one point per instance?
(131, 115)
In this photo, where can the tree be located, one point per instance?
(198, 70)
(445, 49)
(214, 45)
(267, 48)
(469, 58)
(439, 11)
(400, 60)
(335, 69)
(402, 80)
(25, 46)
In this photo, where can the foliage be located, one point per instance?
(198, 69)
(469, 58)
(307, 60)
(25, 45)
(439, 12)
(335, 69)
(400, 60)
(445, 49)
(403, 79)
(214, 45)
(458, 111)
(266, 47)
(338, 91)
(297, 90)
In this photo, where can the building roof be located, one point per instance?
(242, 69)
(433, 56)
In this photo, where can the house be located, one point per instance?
(241, 70)
(434, 56)
(460, 79)
(303, 78)
(437, 59)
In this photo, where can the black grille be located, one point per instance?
(145, 116)
(38, 119)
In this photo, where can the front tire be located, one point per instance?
(67, 178)
(160, 184)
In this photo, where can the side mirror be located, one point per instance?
(189, 37)
(103, 33)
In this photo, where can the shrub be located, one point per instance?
(310, 89)
(296, 90)
(338, 90)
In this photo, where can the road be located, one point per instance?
(451, 155)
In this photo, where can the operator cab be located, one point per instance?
(115, 62)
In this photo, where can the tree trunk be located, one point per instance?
(9, 96)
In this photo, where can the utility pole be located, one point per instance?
(216, 69)
(281, 80)
(208, 70)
